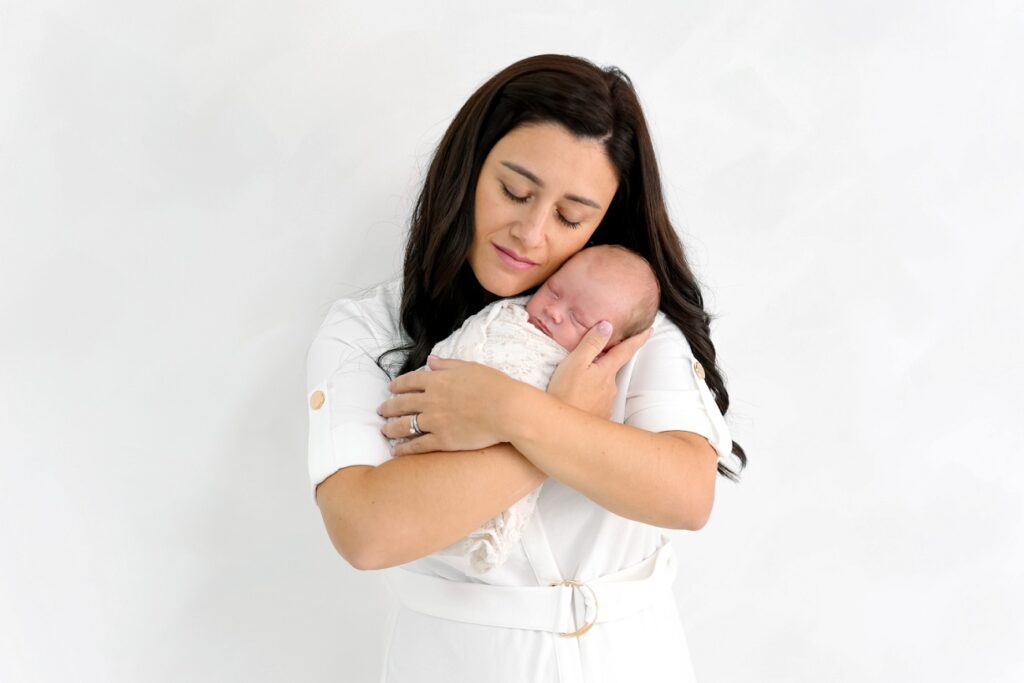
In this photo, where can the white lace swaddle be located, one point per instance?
(500, 336)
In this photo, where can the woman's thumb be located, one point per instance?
(595, 340)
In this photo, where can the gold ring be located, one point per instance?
(586, 627)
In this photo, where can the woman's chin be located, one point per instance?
(504, 288)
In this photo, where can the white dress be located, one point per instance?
(500, 336)
(660, 389)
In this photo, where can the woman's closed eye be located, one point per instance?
(522, 200)
(516, 198)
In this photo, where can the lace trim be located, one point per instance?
(488, 547)
(500, 336)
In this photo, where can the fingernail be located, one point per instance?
(604, 327)
(431, 357)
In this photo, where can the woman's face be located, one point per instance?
(541, 194)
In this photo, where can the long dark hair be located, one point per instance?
(439, 288)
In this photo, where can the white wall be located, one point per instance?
(186, 187)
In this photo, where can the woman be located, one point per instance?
(549, 155)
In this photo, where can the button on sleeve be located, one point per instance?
(667, 390)
(344, 427)
(316, 399)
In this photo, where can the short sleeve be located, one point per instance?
(344, 386)
(667, 391)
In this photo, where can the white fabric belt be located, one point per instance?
(541, 608)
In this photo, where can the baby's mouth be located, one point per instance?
(540, 326)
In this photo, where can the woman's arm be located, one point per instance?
(665, 479)
(407, 508)
(379, 510)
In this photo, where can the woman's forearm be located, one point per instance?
(416, 504)
(664, 479)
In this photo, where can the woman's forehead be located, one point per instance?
(549, 155)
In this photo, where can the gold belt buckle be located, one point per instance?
(586, 627)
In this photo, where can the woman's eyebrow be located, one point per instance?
(540, 183)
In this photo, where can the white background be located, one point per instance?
(186, 187)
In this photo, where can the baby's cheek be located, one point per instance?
(573, 342)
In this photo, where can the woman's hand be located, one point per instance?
(459, 405)
(586, 378)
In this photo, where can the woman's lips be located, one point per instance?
(511, 260)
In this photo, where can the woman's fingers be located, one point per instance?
(593, 342)
(401, 427)
(402, 404)
(417, 380)
(421, 444)
(586, 378)
(411, 381)
(438, 363)
(619, 354)
(461, 404)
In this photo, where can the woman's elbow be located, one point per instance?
(695, 514)
(337, 497)
(355, 553)
(697, 482)
(696, 520)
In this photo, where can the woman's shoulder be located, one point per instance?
(666, 335)
(357, 329)
(372, 311)
(663, 324)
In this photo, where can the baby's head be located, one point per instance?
(606, 282)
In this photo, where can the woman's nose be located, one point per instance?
(530, 230)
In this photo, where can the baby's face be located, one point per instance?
(572, 301)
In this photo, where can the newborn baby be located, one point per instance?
(526, 337)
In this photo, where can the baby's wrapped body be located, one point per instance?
(500, 336)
